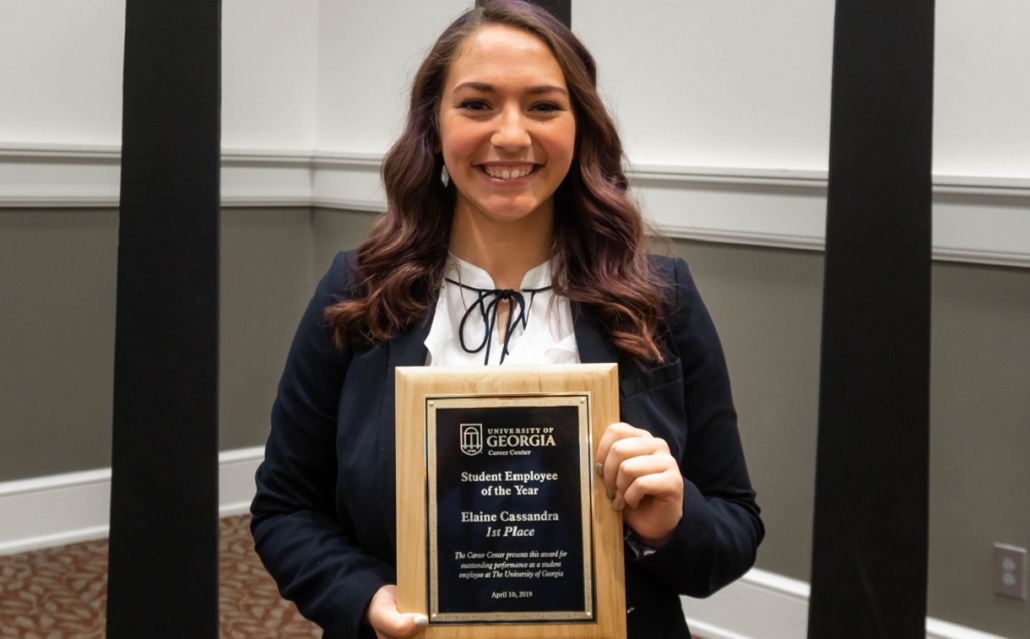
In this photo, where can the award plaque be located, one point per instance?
(503, 528)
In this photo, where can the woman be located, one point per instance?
(509, 238)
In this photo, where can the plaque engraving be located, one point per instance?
(509, 509)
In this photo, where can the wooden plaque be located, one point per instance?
(503, 528)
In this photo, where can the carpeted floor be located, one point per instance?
(61, 593)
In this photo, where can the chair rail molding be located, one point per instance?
(977, 219)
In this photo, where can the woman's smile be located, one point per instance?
(507, 172)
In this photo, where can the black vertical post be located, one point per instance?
(870, 535)
(562, 9)
(163, 571)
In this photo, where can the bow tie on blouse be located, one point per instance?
(487, 303)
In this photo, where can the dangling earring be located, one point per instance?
(445, 177)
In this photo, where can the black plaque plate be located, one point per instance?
(509, 509)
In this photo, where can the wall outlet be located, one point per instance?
(1010, 571)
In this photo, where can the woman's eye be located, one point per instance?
(547, 107)
(474, 105)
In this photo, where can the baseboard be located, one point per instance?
(74, 507)
(777, 608)
(236, 487)
(64, 509)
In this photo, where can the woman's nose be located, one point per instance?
(511, 130)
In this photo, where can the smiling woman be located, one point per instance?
(508, 224)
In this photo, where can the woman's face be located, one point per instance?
(507, 131)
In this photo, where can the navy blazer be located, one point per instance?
(324, 516)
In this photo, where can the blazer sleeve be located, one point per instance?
(717, 539)
(296, 532)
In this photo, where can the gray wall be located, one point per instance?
(767, 306)
(57, 304)
(980, 440)
(57, 283)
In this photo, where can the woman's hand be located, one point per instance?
(385, 619)
(643, 480)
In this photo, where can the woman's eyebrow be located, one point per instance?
(547, 88)
(484, 87)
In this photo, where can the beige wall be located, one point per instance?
(57, 283)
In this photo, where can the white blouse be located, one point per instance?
(546, 336)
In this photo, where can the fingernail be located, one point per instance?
(609, 492)
(617, 504)
(600, 470)
(421, 621)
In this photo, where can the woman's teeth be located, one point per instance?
(506, 174)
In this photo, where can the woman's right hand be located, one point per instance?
(387, 621)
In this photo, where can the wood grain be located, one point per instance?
(414, 386)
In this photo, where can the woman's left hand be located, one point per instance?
(643, 480)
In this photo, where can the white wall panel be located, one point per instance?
(982, 88)
(730, 84)
(61, 71)
(269, 74)
(368, 53)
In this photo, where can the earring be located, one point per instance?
(445, 177)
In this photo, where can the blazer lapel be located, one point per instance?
(407, 349)
(594, 346)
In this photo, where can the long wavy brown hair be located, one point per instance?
(599, 234)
